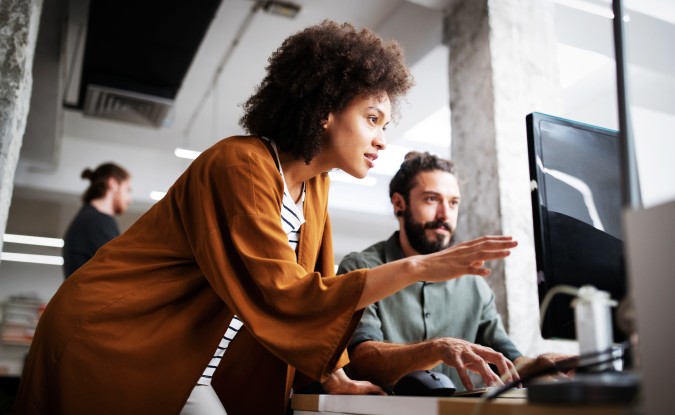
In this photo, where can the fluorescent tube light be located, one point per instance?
(186, 154)
(155, 195)
(33, 240)
(34, 259)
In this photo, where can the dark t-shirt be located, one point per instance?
(89, 230)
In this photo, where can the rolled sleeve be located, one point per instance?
(370, 328)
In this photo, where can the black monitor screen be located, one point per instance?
(576, 203)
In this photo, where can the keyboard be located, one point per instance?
(479, 392)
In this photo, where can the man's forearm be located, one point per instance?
(384, 363)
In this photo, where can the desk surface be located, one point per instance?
(407, 405)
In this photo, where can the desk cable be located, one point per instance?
(575, 363)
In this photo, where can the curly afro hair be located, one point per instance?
(318, 71)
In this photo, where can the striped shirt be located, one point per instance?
(292, 219)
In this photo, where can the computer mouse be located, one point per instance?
(424, 383)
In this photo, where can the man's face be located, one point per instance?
(430, 217)
(122, 196)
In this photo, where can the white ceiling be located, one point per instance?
(213, 101)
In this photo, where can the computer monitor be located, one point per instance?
(576, 204)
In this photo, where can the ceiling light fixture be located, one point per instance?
(155, 195)
(282, 8)
(32, 240)
(186, 154)
(31, 258)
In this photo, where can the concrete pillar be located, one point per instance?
(19, 22)
(503, 65)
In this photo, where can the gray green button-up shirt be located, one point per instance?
(462, 308)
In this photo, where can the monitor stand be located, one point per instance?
(609, 387)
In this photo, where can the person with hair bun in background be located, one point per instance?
(108, 195)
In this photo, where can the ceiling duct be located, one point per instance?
(136, 56)
(127, 106)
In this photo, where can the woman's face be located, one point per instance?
(356, 134)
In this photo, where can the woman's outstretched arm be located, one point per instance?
(461, 259)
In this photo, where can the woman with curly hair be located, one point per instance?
(241, 246)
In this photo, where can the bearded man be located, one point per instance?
(452, 327)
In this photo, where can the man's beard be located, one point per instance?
(415, 231)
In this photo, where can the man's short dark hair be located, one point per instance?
(318, 71)
(414, 163)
